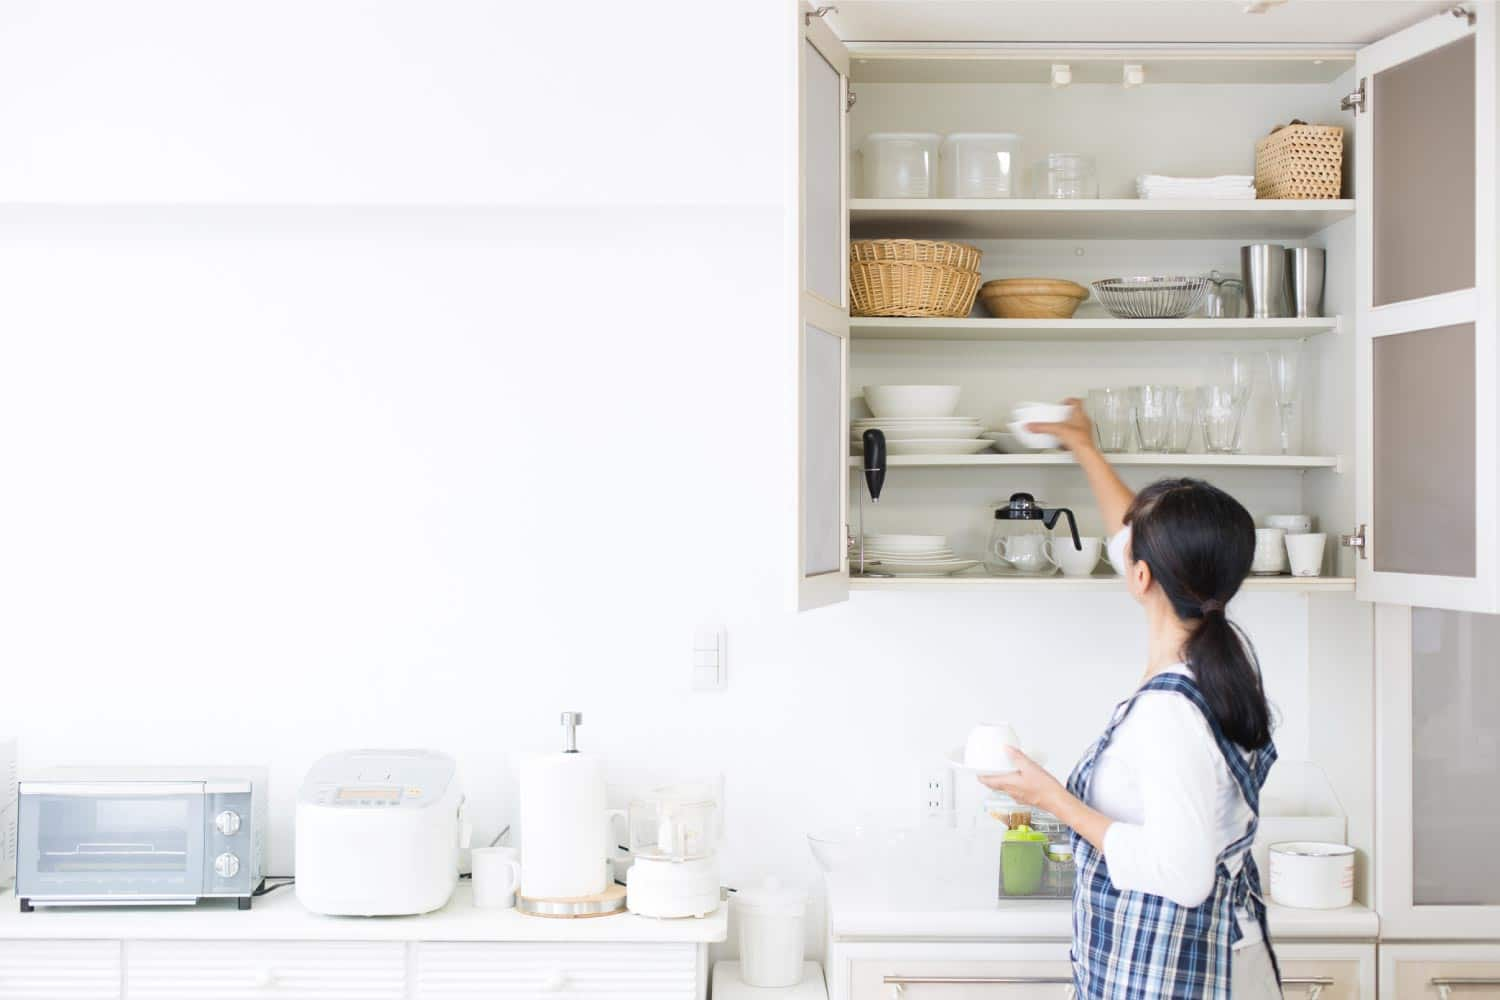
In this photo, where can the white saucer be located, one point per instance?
(956, 761)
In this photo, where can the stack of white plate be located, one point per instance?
(922, 435)
(910, 555)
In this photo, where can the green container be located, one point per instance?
(1022, 861)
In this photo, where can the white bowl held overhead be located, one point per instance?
(912, 400)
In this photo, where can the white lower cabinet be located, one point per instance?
(535, 970)
(286, 970)
(1440, 971)
(1042, 971)
(60, 970)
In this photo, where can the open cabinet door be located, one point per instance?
(1426, 351)
(822, 318)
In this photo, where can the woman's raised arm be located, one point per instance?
(1077, 435)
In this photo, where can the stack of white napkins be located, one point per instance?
(1229, 187)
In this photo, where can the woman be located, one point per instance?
(1164, 806)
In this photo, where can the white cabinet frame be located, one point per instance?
(1476, 305)
(1400, 916)
(816, 586)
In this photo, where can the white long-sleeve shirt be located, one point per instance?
(1175, 805)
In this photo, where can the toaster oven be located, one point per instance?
(130, 837)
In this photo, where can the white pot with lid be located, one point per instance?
(1311, 875)
(771, 918)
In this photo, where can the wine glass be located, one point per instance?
(1284, 365)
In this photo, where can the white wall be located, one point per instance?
(281, 481)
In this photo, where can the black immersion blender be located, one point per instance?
(874, 441)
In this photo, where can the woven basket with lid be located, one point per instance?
(1300, 161)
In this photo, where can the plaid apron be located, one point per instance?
(1133, 945)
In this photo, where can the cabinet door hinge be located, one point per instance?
(1356, 101)
(824, 11)
(849, 100)
(1467, 13)
(1358, 541)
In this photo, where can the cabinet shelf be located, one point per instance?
(1155, 460)
(1087, 329)
(979, 583)
(1098, 218)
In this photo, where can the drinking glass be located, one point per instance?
(1219, 416)
(1154, 409)
(1284, 365)
(1110, 410)
(1238, 372)
(1184, 421)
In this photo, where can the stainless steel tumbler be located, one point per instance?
(1306, 264)
(1263, 268)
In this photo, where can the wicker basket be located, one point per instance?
(1300, 161)
(959, 255)
(910, 288)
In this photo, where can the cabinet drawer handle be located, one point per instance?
(1314, 985)
(898, 983)
(1447, 984)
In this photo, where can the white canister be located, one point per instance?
(1311, 875)
(771, 917)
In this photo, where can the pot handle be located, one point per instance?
(1050, 520)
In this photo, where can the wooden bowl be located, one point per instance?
(1032, 298)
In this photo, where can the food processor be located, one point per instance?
(674, 834)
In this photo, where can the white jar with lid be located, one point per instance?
(900, 164)
(771, 918)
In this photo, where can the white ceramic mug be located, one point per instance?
(1025, 553)
(1270, 552)
(1292, 524)
(986, 749)
(1073, 562)
(496, 876)
(1306, 553)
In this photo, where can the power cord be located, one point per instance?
(269, 886)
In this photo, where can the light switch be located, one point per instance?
(710, 671)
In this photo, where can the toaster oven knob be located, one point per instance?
(226, 865)
(227, 822)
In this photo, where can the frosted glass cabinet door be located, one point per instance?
(1426, 422)
(823, 319)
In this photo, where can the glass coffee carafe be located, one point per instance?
(1019, 535)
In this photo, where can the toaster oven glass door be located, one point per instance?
(142, 839)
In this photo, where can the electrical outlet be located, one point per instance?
(937, 790)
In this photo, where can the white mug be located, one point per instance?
(1073, 562)
(986, 749)
(1306, 553)
(1270, 552)
(1027, 553)
(496, 876)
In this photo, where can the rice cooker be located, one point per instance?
(379, 833)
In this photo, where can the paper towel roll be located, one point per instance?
(564, 837)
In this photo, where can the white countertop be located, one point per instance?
(279, 917)
(864, 914)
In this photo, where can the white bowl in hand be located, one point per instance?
(1038, 413)
(988, 747)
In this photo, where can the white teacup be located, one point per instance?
(1024, 553)
(1270, 552)
(496, 876)
(1074, 562)
(986, 747)
(1306, 553)
(1292, 524)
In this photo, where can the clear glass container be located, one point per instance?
(1110, 411)
(1065, 175)
(979, 164)
(1019, 534)
(675, 823)
(900, 164)
(1155, 409)
(1059, 869)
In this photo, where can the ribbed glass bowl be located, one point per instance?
(1152, 298)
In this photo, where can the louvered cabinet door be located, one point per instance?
(59, 970)
(249, 970)
(454, 971)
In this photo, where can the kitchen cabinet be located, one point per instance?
(1439, 972)
(1398, 428)
(60, 970)
(294, 970)
(448, 971)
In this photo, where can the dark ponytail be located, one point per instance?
(1198, 542)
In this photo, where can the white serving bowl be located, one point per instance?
(912, 400)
